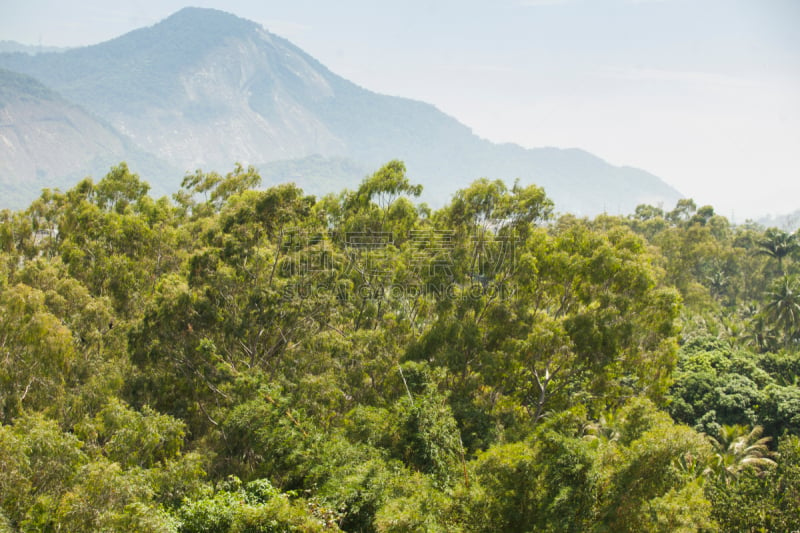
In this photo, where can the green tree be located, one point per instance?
(40, 463)
(106, 497)
(644, 479)
(216, 189)
(738, 448)
(783, 308)
(130, 438)
(36, 353)
(649, 477)
(778, 245)
(758, 500)
(119, 189)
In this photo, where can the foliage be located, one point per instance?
(244, 359)
(718, 384)
(762, 501)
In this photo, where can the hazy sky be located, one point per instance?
(703, 93)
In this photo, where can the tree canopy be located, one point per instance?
(239, 358)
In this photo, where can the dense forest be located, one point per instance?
(254, 360)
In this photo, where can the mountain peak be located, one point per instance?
(187, 33)
(202, 19)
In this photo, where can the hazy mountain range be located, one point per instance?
(787, 222)
(205, 89)
(11, 46)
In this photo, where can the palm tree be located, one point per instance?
(760, 335)
(604, 430)
(717, 281)
(778, 244)
(783, 307)
(737, 449)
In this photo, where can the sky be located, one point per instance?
(703, 93)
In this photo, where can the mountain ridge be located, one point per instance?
(205, 89)
(30, 49)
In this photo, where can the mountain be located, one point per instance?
(51, 142)
(787, 222)
(13, 46)
(204, 89)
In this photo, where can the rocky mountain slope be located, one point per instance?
(205, 89)
(51, 142)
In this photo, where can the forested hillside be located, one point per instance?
(244, 359)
